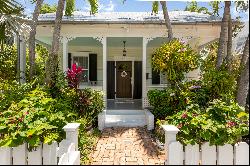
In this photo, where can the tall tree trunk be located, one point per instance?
(229, 57)
(222, 40)
(52, 64)
(243, 85)
(32, 37)
(167, 19)
(245, 54)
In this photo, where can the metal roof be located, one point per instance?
(132, 17)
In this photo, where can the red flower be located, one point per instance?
(179, 126)
(184, 115)
(74, 75)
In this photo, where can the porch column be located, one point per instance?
(21, 64)
(104, 46)
(144, 63)
(65, 54)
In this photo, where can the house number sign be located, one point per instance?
(124, 74)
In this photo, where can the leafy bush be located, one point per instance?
(167, 102)
(12, 92)
(8, 61)
(222, 122)
(33, 120)
(174, 58)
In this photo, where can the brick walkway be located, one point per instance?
(127, 146)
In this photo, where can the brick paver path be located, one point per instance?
(127, 146)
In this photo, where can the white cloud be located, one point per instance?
(109, 7)
(101, 7)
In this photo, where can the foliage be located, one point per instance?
(222, 122)
(70, 7)
(74, 76)
(167, 102)
(94, 6)
(87, 140)
(216, 7)
(193, 7)
(8, 61)
(89, 103)
(12, 92)
(42, 54)
(155, 7)
(47, 8)
(33, 120)
(174, 58)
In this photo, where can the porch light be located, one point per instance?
(124, 49)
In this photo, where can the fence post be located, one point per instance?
(71, 130)
(170, 136)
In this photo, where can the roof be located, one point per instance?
(131, 17)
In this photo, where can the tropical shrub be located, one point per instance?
(222, 122)
(74, 76)
(167, 102)
(8, 61)
(175, 58)
(34, 119)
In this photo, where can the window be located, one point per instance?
(83, 61)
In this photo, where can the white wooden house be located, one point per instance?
(115, 49)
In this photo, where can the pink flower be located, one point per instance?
(184, 116)
(179, 126)
(74, 75)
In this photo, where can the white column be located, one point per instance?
(65, 54)
(144, 62)
(104, 48)
(22, 55)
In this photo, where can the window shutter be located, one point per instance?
(92, 67)
(69, 60)
(155, 76)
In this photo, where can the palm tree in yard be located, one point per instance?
(243, 80)
(155, 8)
(223, 35)
(32, 37)
(52, 64)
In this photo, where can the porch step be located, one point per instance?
(125, 120)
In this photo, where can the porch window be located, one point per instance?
(83, 61)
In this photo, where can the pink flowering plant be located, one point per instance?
(74, 76)
(220, 123)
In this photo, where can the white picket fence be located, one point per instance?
(177, 154)
(65, 154)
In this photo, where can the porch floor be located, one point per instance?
(127, 146)
(124, 104)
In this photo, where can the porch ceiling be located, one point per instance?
(111, 41)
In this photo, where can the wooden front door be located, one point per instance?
(123, 79)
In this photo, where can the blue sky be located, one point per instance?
(131, 6)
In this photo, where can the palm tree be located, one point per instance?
(155, 8)
(229, 57)
(10, 10)
(32, 37)
(243, 85)
(52, 63)
(222, 39)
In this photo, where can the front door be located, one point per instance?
(123, 79)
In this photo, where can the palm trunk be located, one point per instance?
(167, 19)
(32, 38)
(52, 64)
(243, 85)
(245, 54)
(222, 40)
(229, 44)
